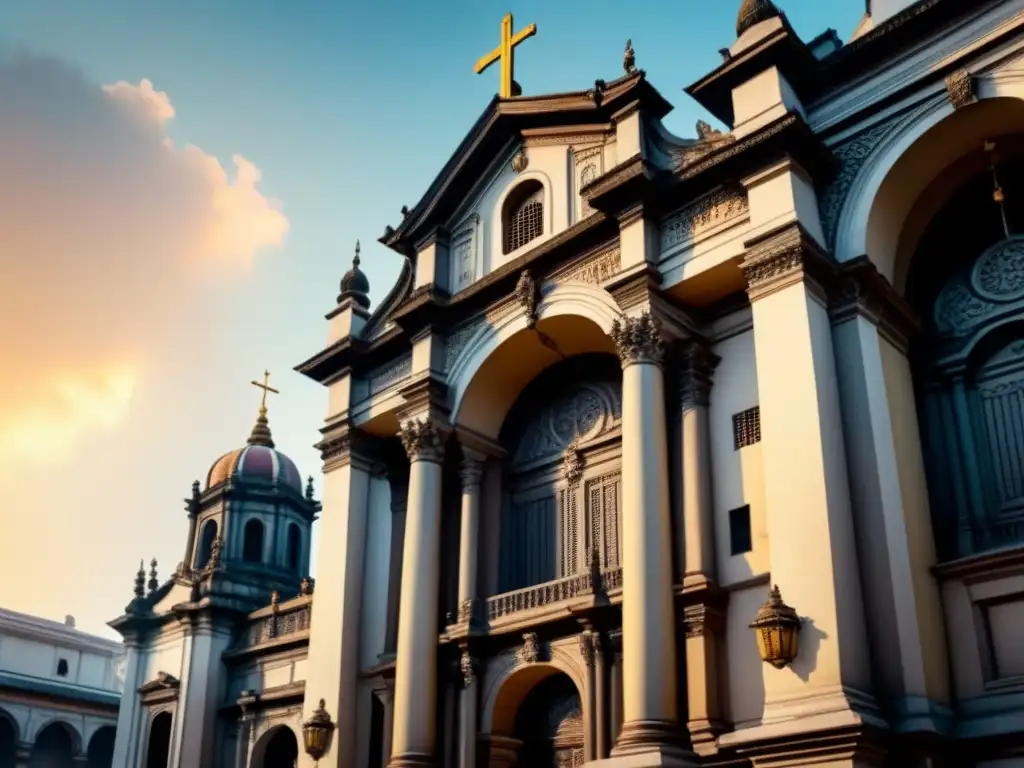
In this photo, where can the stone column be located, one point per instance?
(399, 500)
(416, 664)
(810, 527)
(335, 632)
(648, 631)
(467, 713)
(601, 689)
(129, 721)
(387, 698)
(469, 544)
(615, 686)
(697, 366)
(588, 651)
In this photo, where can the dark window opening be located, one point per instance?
(294, 547)
(62, 668)
(206, 539)
(740, 537)
(746, 427)
(252, 548)
(159, 748)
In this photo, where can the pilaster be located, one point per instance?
(872, 326)
(810, 524)
(334, 635)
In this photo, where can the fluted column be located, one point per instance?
(472, 470)
(648, 634)
(416, 664)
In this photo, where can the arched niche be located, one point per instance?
(967, 282)
(158, 741)
(8, 740)
(101, 747)
(277, 748)
(252, 541)
(207, 535)
(912, 172)
(55, 746)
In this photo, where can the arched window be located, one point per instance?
(252, 547)
(206, 539)
(8, 741)
(522, 218)
(101, 748)
(294, 547)
(62, 668)
(587, 175)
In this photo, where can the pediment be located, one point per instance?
(162, 682)
(501, 126)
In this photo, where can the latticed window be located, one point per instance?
(603, 514)
(524, 215)
(569, 531)
(746, 427)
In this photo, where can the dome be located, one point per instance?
(754, 12)
(355, 285)
(257, 464)
(257, 461)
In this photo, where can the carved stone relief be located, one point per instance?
(464, 247)
(995, 282)
(594, 270)
(960, 88)
(455, 342)
(639, 340)
(390, 374)
(707, 213)
(529, 653)
(587, 411)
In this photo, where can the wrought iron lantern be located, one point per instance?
(316, 732)
(778, 631)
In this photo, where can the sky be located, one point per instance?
(181, 188)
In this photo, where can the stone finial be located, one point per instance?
(421, 440)
(638, 340)
(140, 580)
(154, 582)
(753, 12)
(306, 586)
(405, 211)
(309, 488)
(629, 58)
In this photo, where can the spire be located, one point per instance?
(354, 284)
(140, 580)
(260, 434)
(153, 581)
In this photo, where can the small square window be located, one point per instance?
(740, 539)
(746, 427)
(62, 668)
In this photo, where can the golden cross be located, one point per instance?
(266, 388)
(505, 53)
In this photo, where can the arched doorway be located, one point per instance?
(277, 748)
(8, 741)
(101, 747)
(158, 748)
(549, 723)
(967, 281)
(54, 747)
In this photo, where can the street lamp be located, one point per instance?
(778, 631)
(316, 733)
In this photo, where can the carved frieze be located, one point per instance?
(594, 270)
(387, 375)
(422, 440)
(774, 264)
(639, 340)
(709, 212)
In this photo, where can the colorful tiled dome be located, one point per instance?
(257, 461)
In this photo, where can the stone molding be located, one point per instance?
(423, 440)
(783, 257)
(639, 340)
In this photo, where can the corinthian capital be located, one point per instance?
(422, 440)
(638, 340)
(697, 365)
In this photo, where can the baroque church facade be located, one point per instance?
(660, 451)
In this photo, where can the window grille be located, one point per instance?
(526, 224)
(746, 427)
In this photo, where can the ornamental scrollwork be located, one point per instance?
(585, 411)
(960, 88)
(421, 440)
(999, 272)
(466, 667)
(528, 295)
(639, 340)
(709, 212)
(572, 463)
(996, 280)
(529, 653)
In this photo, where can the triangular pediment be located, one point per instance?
(502, 124)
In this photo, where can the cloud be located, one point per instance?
(108, 230)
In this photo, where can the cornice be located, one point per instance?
(862, 291)
(46, 631)
(785, 256)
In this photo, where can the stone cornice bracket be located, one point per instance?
(960, 89)
(634, 286)
(422, 440)
(862, 291)
(528, 296)
(341, 445)
(784, 257)
(639, 340)
(697, 365)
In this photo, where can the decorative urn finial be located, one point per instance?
(629, 58)
(354, 284)
(154, 582)
(140, 580)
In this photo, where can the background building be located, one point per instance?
(59, 694)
